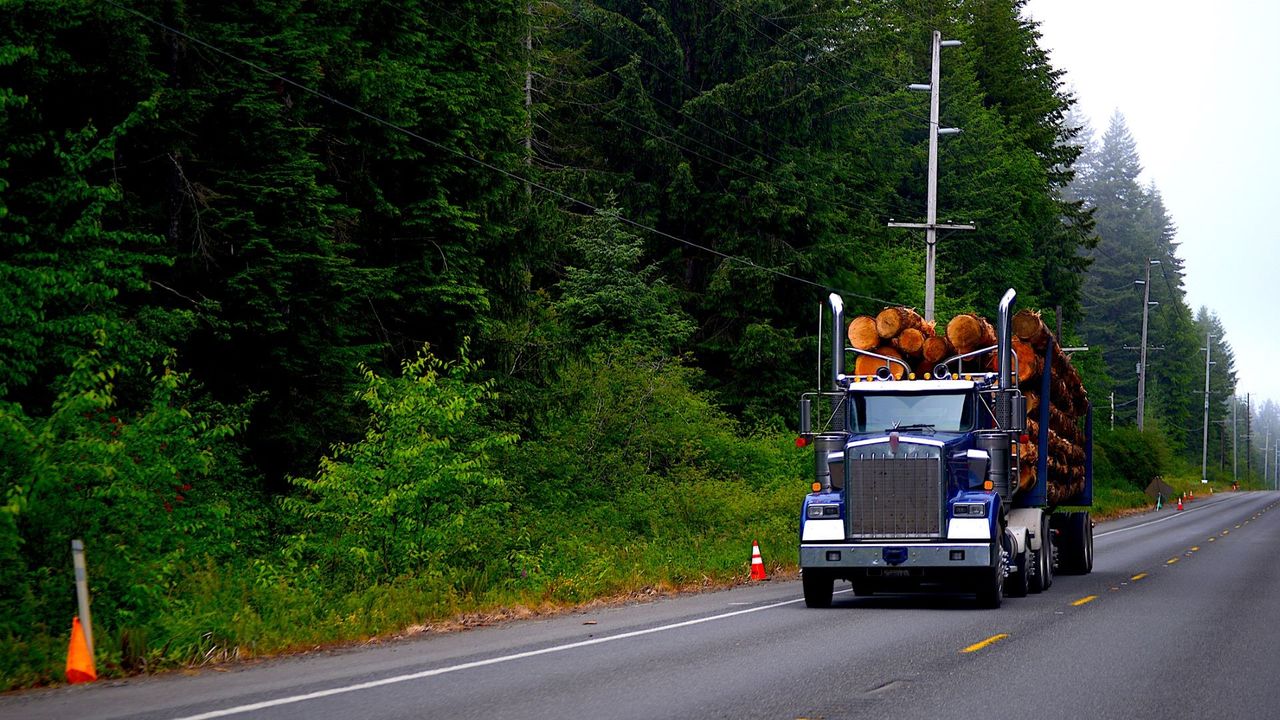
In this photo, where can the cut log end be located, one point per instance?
(911, 342)
(862, 333)
(936, 349)
(970, 332)
(892, 321)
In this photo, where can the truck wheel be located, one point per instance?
(990, 582)
(1043, 558)
(990, 587)
(1088, 543)
(1077, 544)
(1018, 583)
(818, 588)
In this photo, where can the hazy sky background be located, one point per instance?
(1199, 85)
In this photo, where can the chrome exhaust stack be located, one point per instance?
(1004, 339)
(837, 341)
(1010, 407)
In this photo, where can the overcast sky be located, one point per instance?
(1199, 85)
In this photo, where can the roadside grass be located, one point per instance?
(1113, 498)
(658, 535)
(649, 542)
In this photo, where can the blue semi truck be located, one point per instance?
(916, 480)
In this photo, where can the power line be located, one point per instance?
(699, 95)
(482, 163)
(971, 142)
(896, 203)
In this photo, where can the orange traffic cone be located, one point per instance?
(79, 661)
(757, 563)
(1179, 502)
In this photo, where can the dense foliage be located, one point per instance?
(347, 315)
(1135, 235)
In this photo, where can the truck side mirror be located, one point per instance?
(806, 423)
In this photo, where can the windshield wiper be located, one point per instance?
(929, 427)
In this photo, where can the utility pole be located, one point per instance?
(1222, 445)
(1266, 457)
(1142, 361)
(1248, 433)
(1113, 409)
(1235, 438)
(930, 225)
(1204, 448)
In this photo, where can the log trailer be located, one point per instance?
(922, 484)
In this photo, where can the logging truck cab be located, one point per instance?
(916, 483)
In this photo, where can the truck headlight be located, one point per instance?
(822, 512)
(969, 510)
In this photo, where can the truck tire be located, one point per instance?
(1076, 550)
(1088, 544)
(1043, 558)
(818, 588)
(990, 582)
(1017, 584)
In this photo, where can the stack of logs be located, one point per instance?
(900, 333)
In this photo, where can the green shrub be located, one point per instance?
(1133, 456)
(136, 486)
(418, 495)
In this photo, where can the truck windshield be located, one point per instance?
(945, 412)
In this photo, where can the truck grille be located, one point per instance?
(895, 497)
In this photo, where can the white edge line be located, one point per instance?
(478, 663)
(1183, 513)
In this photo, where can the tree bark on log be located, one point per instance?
(1028, 361)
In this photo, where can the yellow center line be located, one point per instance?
(1226, 532)
(1195, 548)
(1170, 561)
(989, 641)
(1139, 576)
(1212, 539)
(1083, 600)
(1237, 527)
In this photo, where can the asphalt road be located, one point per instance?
(1180, 619)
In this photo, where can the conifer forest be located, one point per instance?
(322, 319)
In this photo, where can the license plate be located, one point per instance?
(897, 572)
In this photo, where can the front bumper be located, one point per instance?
(895, 556)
